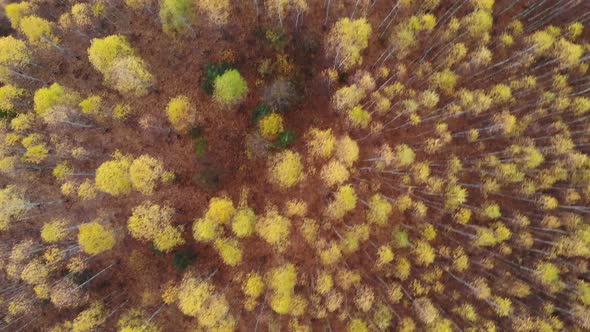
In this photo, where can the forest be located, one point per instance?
(295, 165)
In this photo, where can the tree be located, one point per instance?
(181, 113)
(274, 229)
(216, 10)
(253, 286)
(103, 52)
(135, 320)
(347, 40)
(221, 210)
(230, 88)
(144, 172)
(286, 169)
(359, 118)
(12, 205)
(177, 16)
(113, 177)
(357, 325)
(379, 210)
(344, 201)
(90, 318)
(56, 104)
(54, 231)
(129, 75)
(229, 250)
(153, 222)
(16, 11)
(320, 142)
(281, 280)
(94, 238)
(244, 222)
(38, 31)
(14, 57)
(346, 150)
(10, 97)
(114, 57)
(271, 126)
(334, 173)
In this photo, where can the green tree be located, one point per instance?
(230, 88)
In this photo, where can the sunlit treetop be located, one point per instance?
(347, 150)
(10, 96)
(286, 169)
(220, 210)
(16, 11)
(14, 55)
(113, 176)
(346, 41)
(274, 229)
(39, 32)
(144, 173)
(230, 88)
(54, 231)
(103, 52)
(181, 113)
(94, 238)
(129, 75)
(51, 102)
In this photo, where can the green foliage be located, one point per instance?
(183, 259)
(212, 72)
(285, 139)
(260, 112)
(230, 88)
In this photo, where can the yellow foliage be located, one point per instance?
(144, 172)
(113, 176)
(91, 105)
(320, 142)
(286, 169)
(346, 150)
(90, 318)
(344, 201)
(271, 126)
(357, 325)
(35, 272)
(38, 31)
(87, 190)
(205, 229)
(23, 121)
(220, 210)
(13, 54)
(181, 113)
(229, 250)
(16, 11)
(324, 282)
(94, 238)
(295, 208)
(244, 222)
(331, 255)
(274, 229)
(253, 286)
(54, 231)
(347, 39)
(153, 223)
(379, 210)
(385, 256)
(359, 118)
(334, 173)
